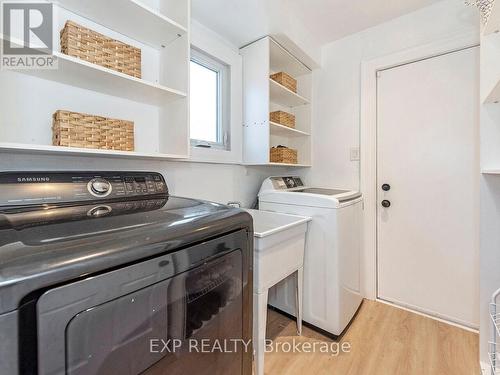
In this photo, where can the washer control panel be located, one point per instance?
(283, 183)
(26, 188)
(99, 187)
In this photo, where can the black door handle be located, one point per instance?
(386, 187)
(386, 203)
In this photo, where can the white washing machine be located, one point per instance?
(332, 256)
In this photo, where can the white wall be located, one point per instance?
(336, 97)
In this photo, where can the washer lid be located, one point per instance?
(311, 197)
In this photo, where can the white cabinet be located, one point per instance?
(158, 102)
(262, 95)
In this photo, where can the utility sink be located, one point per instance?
(279, 242)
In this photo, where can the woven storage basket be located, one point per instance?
(283, 118)
(73, 129)
(88, 45)
(285, 80)
(282, 154)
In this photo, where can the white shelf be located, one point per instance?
(285, 131)
(491, 171)
(281, 95)
(148, 27)
(494, 95)
(278, 165)
(130, 18)
(71, 151)
(493, 24)
(263, 95)
(80, 73)
(284, 61)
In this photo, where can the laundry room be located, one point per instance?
(250, 187)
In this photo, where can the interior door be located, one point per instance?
(428, 186)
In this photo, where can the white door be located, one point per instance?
(427, 146)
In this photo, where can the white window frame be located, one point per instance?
(223, 101)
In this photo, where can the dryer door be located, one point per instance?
(149, 317)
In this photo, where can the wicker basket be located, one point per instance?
(88, 45)
(283, 154)
(283, 118)
(285, 80)
(73, 129)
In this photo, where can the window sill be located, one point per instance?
(214, 156)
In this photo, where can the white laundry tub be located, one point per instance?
(279, 243)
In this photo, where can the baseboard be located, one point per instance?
(445, 321)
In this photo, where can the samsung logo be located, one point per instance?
(33, 179)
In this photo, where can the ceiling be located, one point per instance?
(242, 21)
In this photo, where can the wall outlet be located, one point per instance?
(354, 153)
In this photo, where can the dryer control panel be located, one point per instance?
(283, 183)
(38, 188)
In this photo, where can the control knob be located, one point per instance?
(99, 187)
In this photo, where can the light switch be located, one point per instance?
(354, 153)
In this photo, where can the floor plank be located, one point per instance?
(384, 340)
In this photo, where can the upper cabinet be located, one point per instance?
(290, 105)
(157, 102)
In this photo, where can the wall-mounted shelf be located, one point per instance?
(491, 171)
(282, 60)
(285, 131)
(494, 95)
(80, 73)
(71, 151)
(263, 95)
(493, 24)
(129, 17)
(158, 103)
(278, 165)
(283, 96)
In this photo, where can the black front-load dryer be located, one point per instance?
(106, 273)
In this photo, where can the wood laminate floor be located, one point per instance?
(384, 340)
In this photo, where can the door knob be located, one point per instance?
(386, 187)
(386, 203)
